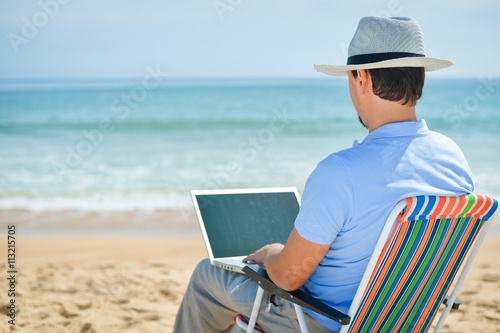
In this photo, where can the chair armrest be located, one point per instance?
(297, 296)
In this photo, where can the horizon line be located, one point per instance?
(76, 79)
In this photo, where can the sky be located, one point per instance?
(227, 38)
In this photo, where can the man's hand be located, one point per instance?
(290, 266)
(259, 256)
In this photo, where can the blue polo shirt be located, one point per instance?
(349, 195)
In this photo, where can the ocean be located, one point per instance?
(134, 145)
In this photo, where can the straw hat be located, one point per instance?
(385, 43)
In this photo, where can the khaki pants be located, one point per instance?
(214, 295)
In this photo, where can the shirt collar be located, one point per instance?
(393, 130)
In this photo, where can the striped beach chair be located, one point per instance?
(428, 243)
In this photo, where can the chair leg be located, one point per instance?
(255, 310)
(301, 318)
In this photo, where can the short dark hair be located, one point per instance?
(398, 84)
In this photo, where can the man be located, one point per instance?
(349, 195)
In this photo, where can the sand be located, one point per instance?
(124, 284)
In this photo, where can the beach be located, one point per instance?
(100, 284)
(135, 284)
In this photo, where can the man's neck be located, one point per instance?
(386, 112)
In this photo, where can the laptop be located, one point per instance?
(235, 223)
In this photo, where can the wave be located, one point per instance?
(302, 125)
(138, 201)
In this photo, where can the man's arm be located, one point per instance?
(290, 265)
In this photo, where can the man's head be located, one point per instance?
(386, 67)
(386, 94)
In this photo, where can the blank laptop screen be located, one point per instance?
(237, 224)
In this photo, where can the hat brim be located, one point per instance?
(430, 64)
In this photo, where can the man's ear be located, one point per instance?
(364, 81)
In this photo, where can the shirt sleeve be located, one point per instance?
(326, 203)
